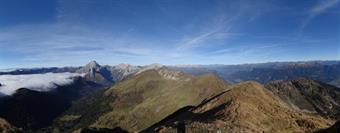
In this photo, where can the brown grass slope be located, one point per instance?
(141, 101)
(246, 107)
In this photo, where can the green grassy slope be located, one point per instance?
(140, 101)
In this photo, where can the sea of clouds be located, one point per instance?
(38, 82)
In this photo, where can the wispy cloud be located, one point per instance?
(194, 41)
(56, 42)
(140, 33)
(321, 7)
(221, 27)
(245, 49)
(51, 43)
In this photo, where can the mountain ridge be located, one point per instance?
(150, 92)
(245, 107)
(325, 71)
(308, 95)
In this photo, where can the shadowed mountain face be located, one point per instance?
(308, 95)
(1, 94)
(30, 109)
(129, 104)
(246, 107)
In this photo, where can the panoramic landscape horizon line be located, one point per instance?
(293, 61)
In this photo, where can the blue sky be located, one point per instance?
(36, 33)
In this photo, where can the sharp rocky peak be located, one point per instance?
(90, 68)
(92, 64)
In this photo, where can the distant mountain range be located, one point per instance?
(325, 71)
(103, 75)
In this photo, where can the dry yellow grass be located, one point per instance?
(249, 107)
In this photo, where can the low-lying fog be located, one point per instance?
(38, 82)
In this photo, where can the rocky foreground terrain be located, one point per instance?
(5, 127)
